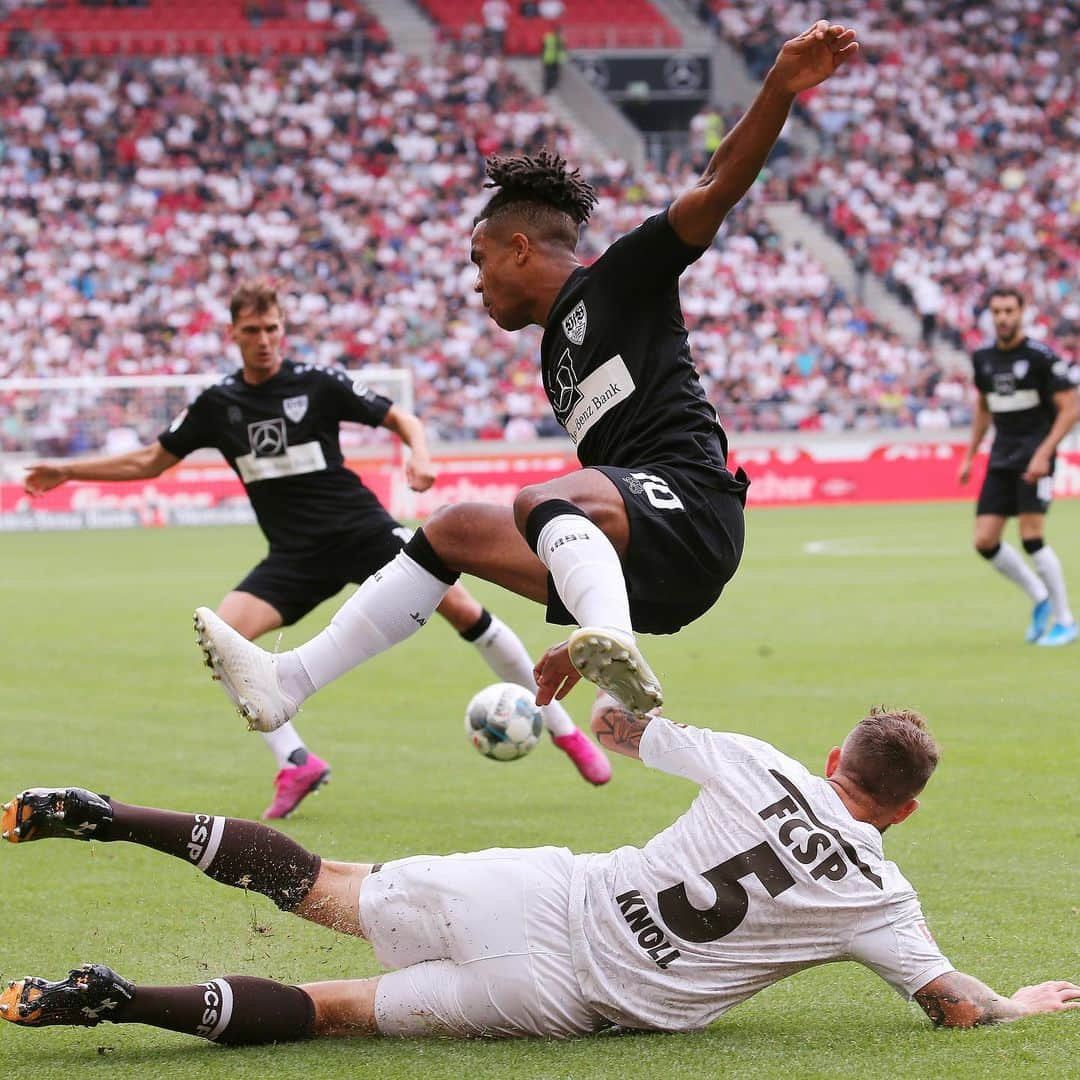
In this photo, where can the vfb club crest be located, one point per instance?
(295, 407)
(576, 323)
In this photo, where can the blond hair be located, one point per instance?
(256, 296)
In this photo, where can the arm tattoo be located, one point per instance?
(619, 728)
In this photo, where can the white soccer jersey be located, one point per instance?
(767, 873)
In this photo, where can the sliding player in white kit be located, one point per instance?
(772, 870)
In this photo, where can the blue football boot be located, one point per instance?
(1059, 634)
(1040, 618)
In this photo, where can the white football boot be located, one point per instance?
(611, 659)
(248, 673)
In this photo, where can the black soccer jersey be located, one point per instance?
(281, 439)
(616, 364)
(1019, 386)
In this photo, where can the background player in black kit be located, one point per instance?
(648, 532)
(276, 423)
(1024, 389)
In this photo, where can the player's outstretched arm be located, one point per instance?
(142, 464)
(802, 62)
(616, 727)
(419, 470)
(957, 1000)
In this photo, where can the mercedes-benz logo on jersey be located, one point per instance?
(576, 323)
(683, 73)
(596, 71)
(295, 407)
(267, 438)
(1004, 383)
(564, 390)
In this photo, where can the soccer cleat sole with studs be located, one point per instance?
(612, 660)
(42, 813)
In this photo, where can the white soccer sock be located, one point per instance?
(505, 653)
(1008, 562)
(586, 570)
(1049, 567)
(283, 742)
(389, 607)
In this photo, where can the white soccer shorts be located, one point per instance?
(481, 944)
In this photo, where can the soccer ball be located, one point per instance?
(503, 721)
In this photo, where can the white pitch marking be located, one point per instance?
(872, 547)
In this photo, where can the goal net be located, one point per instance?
(67, 417)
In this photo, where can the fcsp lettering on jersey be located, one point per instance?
(200, 833)
(804, 842)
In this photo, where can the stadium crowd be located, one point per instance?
(135, 194)
(949, 152)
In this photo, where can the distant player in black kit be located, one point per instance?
(643, 537)
(276, 423)
(1025, 390)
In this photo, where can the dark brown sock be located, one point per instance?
(234, 1010)
(235, 852)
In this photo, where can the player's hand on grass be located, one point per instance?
(420, 473)
(1038, 467)
(555, 675)
(42, 478)
(813, 56)
(1048, 997)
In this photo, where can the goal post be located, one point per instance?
(80, 416)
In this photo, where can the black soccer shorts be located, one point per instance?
(686, 540)
(295, 583)
(1005, 493)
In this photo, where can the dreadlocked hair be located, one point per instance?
(539, 188)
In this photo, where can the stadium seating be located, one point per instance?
(599, 24)
(159, 27)
(361, 204)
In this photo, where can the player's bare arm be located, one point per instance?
(804, 61)
(980, 425)
(616, 728)
(142, 464)
(419, 471)
(957, 1000)
(1067, 404)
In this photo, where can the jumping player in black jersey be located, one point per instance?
(276, 423)
(643, 537)
(1025, 390)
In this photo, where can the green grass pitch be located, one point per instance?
(832, 611)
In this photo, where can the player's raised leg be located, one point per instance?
(300, 772)
(578, 527)
(505, 653)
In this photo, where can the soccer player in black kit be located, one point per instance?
(1024, 389)
(646, 534)
(276, 423)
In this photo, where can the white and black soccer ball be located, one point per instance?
(503, 721)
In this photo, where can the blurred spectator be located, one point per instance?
(496, 16)
(553, 57)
